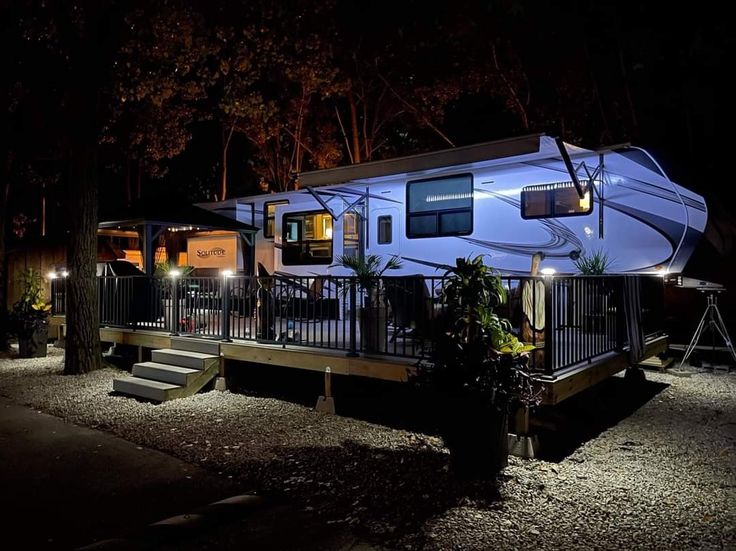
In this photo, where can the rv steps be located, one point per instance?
(176, 372)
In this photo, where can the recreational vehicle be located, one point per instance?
(507, 200)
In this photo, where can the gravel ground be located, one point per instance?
(662, 478)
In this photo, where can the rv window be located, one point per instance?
(269, 217)
(555, 200)
(307, 238)
(440, 206)
(384, 230)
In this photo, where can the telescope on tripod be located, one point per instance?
(711, 321)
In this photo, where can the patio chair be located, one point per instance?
(411, 306)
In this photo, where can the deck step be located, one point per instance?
(165, 373)
(145, 388)
(191, 344)
(184, 358)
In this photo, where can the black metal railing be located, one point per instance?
(570, 319)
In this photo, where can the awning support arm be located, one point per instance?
(568, 165)
(329, 209)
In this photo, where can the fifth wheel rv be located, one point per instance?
(507, 200)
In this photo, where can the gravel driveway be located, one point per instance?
(662, 478)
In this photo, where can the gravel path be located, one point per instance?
(663, 478)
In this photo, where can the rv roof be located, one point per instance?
(510, 147)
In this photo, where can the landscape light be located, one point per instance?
(548, 271)
(174, 273)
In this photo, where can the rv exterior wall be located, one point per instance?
(649, 224)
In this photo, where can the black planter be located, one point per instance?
(33, 343)
(476, 433)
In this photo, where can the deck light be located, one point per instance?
(548, 271)
(51, 275)
(64, 273)
(174, 273)
(226, 273)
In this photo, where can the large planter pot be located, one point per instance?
(33, 343)
(476, 433)
(373, 331)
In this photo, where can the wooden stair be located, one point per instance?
(176, 372)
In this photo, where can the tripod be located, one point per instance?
(711, 320)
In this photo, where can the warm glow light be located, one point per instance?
(548, 271)
(174, 273)
(227, 273)
(328, 233)
(51, 275)
(585, 201)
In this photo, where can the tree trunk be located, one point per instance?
(83, 353)
(354, 127)
(223, 176)
(4, 195)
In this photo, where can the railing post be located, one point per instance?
(175, 306)
(225, 321)
(353, 352)
(621, 336)
(549, 327)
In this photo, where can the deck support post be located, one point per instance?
(521, 443)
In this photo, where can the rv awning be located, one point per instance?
(511, 147)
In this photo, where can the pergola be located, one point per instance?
(150, 225)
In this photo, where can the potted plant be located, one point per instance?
(30, 316)
(595, 263)
(478, 369)
(368, 271)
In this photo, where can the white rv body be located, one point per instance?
(642, 220)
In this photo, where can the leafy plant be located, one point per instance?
(368, 271)
(473, 349)
(31, 311)
(596, 262)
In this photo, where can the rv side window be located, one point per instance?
(384, 230)
(351, 234)
(269, 217)
(440, 206)
(555, 200)
(307, 238)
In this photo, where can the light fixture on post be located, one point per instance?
(225, 304)
(64, 273)
(174, 274)
(51, 275)
(547, 271)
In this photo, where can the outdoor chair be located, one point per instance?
(410, 304)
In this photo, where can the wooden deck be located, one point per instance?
(556, 388)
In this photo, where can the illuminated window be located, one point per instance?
(269, 217)
(384, 230)
(555, 200)
(307, 238)
(440, 206)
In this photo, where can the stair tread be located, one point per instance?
(187, 353)
(149, 383)
(168, 367)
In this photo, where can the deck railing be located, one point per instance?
(571, 319)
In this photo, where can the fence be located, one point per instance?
(571, 319)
